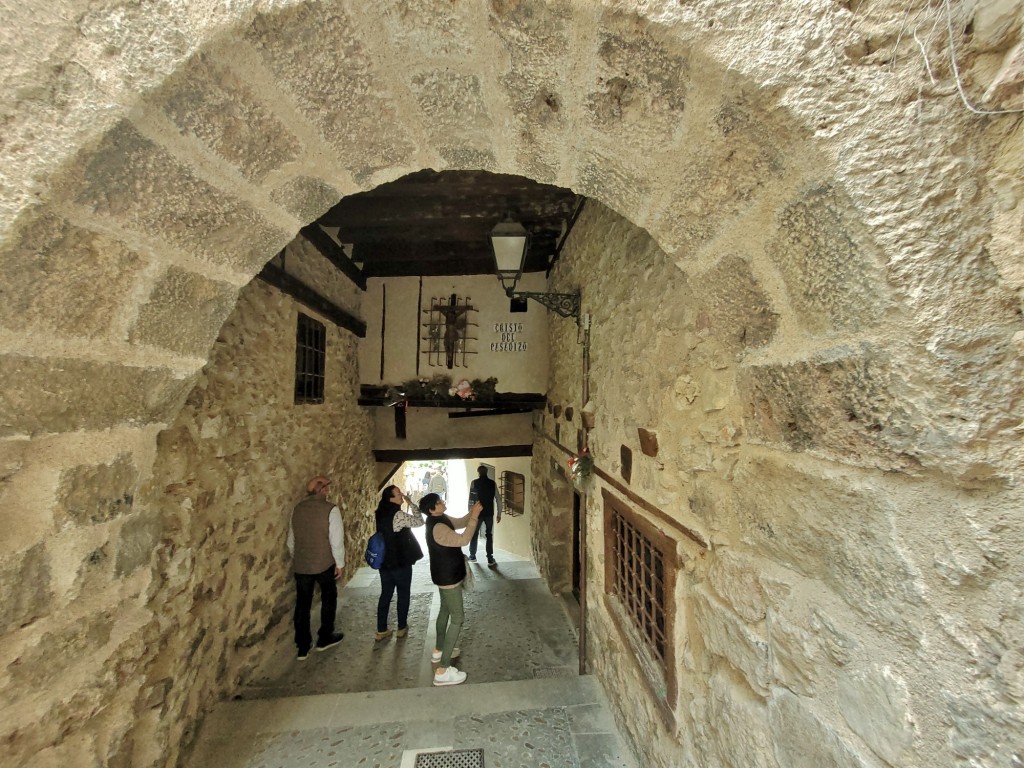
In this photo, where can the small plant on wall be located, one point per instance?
(581, 466)
(484, 389)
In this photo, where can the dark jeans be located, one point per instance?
(390, 580)
(304, 584)
(488, 537)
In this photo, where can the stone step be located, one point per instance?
(563, 722)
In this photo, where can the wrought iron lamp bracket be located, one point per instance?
(564, 304)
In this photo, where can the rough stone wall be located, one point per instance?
(153, 597)
(165, 152)
(855, 603)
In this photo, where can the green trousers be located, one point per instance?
(449, 622)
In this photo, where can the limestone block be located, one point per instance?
(92, 494)
(25, 582)
(62, 395)
(306, 197)
(837, 643)
(1007, 86)
(449, 99)
(183, 313)
(737, 156)
(995, 23)
(969, 560)
(641, 84)
(614, 183)
(975, 434)
(138, 540)
(804, 740)
(425, 29)
(538, 41)
(739, 313)
(457, 157)
(831, 270)
(725, 634)
(830, 528)
(734, 578)
(875, 704)
(213, 104)
(796, 661)
(12, 454)
(844, 402)
(134, 183)
(336, 86)
(734, 726)
(52, 267)
(985, 728)
(48, 662)
(686, 391)
(989, 631)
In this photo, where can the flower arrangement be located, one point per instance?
(581, 466)
(463, 389)
(439, 389)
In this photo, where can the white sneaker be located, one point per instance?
(435, 655)
(451, 676)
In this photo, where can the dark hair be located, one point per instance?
(428, 502)
(481, 470)
(386, 495)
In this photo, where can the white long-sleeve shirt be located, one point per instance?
(335, 535)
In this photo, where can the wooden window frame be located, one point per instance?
(310, 360)
(658, 665)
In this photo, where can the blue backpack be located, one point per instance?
(374, 555)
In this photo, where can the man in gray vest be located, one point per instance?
(316, 542)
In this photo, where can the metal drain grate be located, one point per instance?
(458, 758)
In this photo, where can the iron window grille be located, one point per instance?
(513, 493)
(448, 331)
(640, 576)
(310, 356)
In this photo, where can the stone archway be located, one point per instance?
(754, 145)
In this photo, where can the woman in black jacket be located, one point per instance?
(401, 550)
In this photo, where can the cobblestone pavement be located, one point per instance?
(368, 703)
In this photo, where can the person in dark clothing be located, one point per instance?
(401, 551)
(485, 490)
(447, 571)
(316, 541)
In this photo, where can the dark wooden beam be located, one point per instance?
(640, 501)
(442, 454)
(429, 267)
(430, 258)
(454, 229)
(370, 394)
(333, 252)
(387, 480)
(277, 277)
(399, 421)
(495, 412)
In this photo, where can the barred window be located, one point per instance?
(310, 354)
(513, 493)
(640, 574)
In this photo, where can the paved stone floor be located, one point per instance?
(366, 703)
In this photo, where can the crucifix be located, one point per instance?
(455, 320)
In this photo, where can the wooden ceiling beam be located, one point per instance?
(334, 253)
(455, 230)
(273, 275)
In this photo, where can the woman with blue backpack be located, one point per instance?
(401, 550)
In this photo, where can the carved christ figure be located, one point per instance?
(455, 323)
